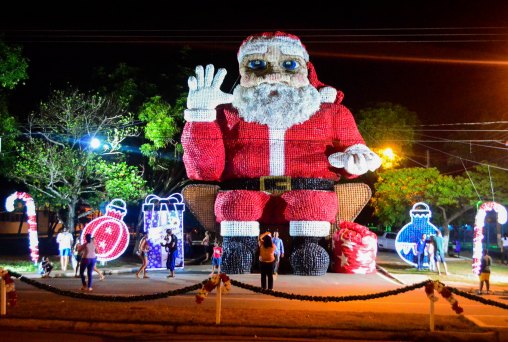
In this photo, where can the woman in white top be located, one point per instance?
(88, 261)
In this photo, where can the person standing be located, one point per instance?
(485, 272)
(88, 261)
(420, 251)
(143, 249)
(440, 255)
(216, 258)
(206, 243)
(279, 251)
(266, 259)
(431, 253)
(171, 248)
(505, 248)
(64, 240)
(77, 257)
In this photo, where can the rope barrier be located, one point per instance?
(478, 299)
(102, 298)
(291, 296)
(327, 299)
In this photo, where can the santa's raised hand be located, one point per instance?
(356, 160)
(205, 94)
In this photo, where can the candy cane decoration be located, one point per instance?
(479, 222)
(32, 221)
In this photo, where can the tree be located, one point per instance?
(388, 125)
(397, 190)
(163, 128)
(57, 162)
(13, 66)
(13, 70)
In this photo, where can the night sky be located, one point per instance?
(446, 62)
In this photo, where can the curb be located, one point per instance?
(145, 329)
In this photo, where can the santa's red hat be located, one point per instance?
(289, 44)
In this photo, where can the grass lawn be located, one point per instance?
(460, 271)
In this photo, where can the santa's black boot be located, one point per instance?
(308, 257)
(238, 254)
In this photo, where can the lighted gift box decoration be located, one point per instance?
(110, 233)
(32, 221)
(160, 214)
(408, 236)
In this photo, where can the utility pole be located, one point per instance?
(427, 154)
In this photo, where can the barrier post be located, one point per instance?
(3, 297)
(218, 302)
(431, 318)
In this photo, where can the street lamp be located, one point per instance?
(95, 143)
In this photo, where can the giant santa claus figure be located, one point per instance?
(277, 145)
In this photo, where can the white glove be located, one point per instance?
(205, 94)
(356, 160)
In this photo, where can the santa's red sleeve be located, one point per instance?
(203, 147)
(345, 134)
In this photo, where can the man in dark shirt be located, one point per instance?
(485, 271)
(420, 251)
(171, 247)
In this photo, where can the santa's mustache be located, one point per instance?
(276, 105)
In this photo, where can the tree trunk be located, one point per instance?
(21, 221)
(446, 222)
(71, 216)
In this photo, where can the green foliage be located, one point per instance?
(59, 166)
(121, 181)
(397, 190)
(13, 66)
(163, 127)
(388, 125)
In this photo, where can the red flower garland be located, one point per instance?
(445, 292)
(12, 297)
(211, 284)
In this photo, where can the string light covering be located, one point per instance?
(276, 147)
(408, 236)
(109, 231)
(355, 248)
(479, 222)
(160, 214)
(32, 221)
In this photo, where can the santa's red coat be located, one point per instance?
(230, 147)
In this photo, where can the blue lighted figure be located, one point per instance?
(420, 251)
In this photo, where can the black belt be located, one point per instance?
(278, 183)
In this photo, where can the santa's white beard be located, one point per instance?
(276, 105)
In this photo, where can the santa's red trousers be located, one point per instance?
(295, 205)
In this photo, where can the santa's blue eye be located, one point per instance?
(290, 64)
(257, 64)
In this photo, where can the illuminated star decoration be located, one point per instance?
(343, 260)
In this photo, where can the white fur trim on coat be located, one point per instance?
(239, 228)
(200, 115)
(309, 228)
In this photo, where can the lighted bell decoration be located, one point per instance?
(109, 231)
(408, 236)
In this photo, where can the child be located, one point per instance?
(216, 258)
(46, 267)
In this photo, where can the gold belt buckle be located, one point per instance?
(280, 183)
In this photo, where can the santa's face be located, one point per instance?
(273, 67)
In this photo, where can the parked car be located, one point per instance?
(386, 241)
